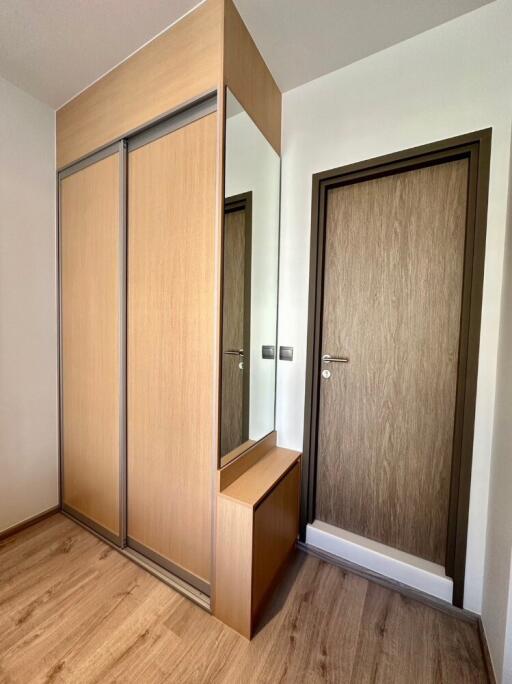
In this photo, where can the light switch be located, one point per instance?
(286, 353)
(268, 351)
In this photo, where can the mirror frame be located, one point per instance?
(235, 454)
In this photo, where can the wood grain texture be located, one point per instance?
(235, 453)
(234, 564)
(248, 77)
(255, 483)
(232, 386)
(231, 470)
(181, 64)
(392, 302)
(90, 274)
(172, 184)
(75, 610)
(276, 528)
(257, 527)
(19, 527)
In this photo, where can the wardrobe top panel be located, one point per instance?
(205, 50)
(249, 78)
(173, 69)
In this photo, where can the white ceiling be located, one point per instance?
(303, 39)
(55, 48)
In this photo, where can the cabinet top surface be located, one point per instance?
(251, 487)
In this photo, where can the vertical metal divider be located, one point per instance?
(217, 330)
(279, 274)
(123, 302)
(60, 423)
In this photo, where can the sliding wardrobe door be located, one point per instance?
(171, 222)
(91, 271)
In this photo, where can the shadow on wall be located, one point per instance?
(497, 600)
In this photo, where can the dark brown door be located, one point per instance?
(394, 257)
(236, 323)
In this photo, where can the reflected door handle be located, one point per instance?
(327, 358)
(234, 352)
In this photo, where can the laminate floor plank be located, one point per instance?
(74, 611)
(392, 633)
(22, 552)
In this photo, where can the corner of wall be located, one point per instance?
(497, 580)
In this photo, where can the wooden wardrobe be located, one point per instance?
(92, 365)
(140, 156)
(171, 219)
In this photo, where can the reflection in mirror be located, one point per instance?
(250, 279)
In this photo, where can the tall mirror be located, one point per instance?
(250, 280)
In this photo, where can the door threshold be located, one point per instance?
(393, 564)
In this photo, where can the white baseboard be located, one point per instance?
(396, 565)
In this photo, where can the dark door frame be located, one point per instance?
(243, 202)
(476, 148)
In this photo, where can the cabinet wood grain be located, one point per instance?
(234, 559)
(204, 51)
(174, 68)
(276, 527)
(244, 460)
(171, 224)
(257, 528)
(90, 354)
(255, 483)
(249, 78)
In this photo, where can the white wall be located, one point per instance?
(448, 81)
(497, 598)
(28, 340)
(253, 165)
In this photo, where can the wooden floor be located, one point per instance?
(72, 609)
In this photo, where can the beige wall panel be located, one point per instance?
(247, 75)
(90, 272)
(176, 67)
(172, 204)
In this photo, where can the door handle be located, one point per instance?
(327, 358)
(234, 352)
